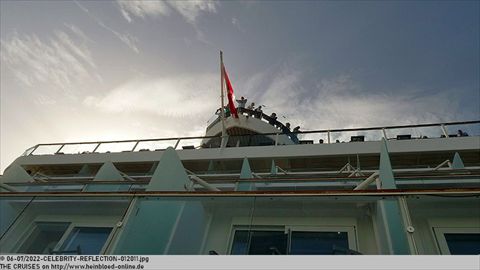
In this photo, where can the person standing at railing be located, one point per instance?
(258, 112)
(241, 104)
(294, 134)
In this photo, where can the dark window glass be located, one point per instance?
(463, 243)
(305, 243)
(259, 243)
(44, 237)
(86, 240)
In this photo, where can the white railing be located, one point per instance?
(163, 143)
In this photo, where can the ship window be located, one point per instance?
(463, 243)
(44, 237)
(458, 241)
(294, 241)
(86, 240)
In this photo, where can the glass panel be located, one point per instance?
(46, 150)
(115, 147)
(85, 240)
(44, 238)
(463, 243)
(10, 209)
(78, 148)
(319, 243)
(159, 145)
(182, 226)
(189, 144)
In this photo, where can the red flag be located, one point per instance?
(230, 95)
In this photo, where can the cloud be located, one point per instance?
(179, 97)
(127, 39)
(340, 102)
(61, 61)
(189, 10)
(142, 9)
(236, 23)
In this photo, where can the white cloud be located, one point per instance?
(61, 61)
(339, 102)
(189, 10)
(185, 96)
(142, 8)
(236, 23)
(127, 39)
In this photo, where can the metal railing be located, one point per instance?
(58, 147)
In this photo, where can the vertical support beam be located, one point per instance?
(246, 173)
(408, 223)
(384, 134)
(273, 168)
(457, 162)
(385, 168)
(389, 218)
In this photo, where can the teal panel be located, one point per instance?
(392, 226)
(385, 167)
(108, 172)
(149, 227)
(273, 168)
(170, 174)
(10, 209)
(245, 173)
(190, 230)
(86, 170)
(457, 162)
(16, 174)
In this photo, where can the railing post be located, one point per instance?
(35, 148)
(96, 147)
(276, 139)
(59, 149)
(328, 136)
(444, 130)
(135, 146)
(384, 134)
(176, 144)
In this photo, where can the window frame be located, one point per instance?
(441, 241)
(74, 221)
(288, 229)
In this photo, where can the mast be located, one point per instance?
(222, 109)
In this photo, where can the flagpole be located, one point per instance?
(222, 109)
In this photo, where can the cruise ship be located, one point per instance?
(251, 185)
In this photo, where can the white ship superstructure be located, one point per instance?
(378, 190)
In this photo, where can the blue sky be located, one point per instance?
(100, 70)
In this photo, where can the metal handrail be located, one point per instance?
(177, 139)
